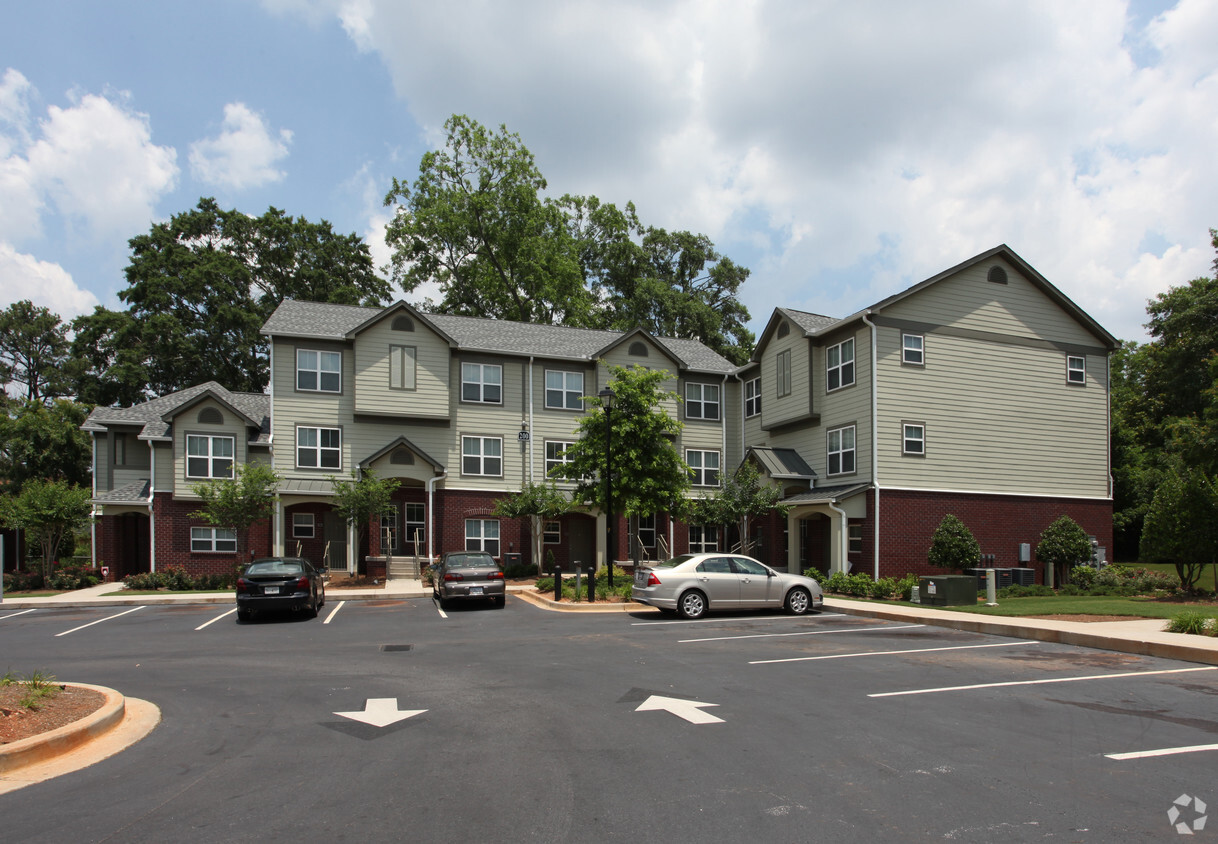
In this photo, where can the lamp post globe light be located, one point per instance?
(607, 396)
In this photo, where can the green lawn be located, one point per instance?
(1087, 605)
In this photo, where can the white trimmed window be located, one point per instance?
(784, 374)
(752, 397)
(913, 438)
(841, 450)
(209, 457)
(564, 390)
(556, 454)
(302, 526)
(403, 366)
(319, 448)
(703, 539)
(646, 531)
(1076, 370)
(552, 533)
(854, 536)
(839, 365)
(913, 349)
(702, 401)
(703, 466)
(482, 535)
(416, 526)
(319, 372)
(482, 383)
(482, 456)
(213, 540)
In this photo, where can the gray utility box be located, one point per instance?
(947, 590)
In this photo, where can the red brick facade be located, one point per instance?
(173, 523)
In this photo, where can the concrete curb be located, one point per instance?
(538, 600)
(39, 749)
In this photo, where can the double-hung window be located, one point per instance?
(703, 466)
(551, 533)
(416, 525)
(1076, 370)
(213, 540)
(913, 349)
(702, 401)
(302, 526)
(841, 450)
(319, 372)
(482, 382)
(839, 365)
(703, 539)
(752, 397)
(556, 454)
(784, 374)
(482, 456)
(913, 438)
(564, 390)
(319, 448)
(482, 535)
(209, 457)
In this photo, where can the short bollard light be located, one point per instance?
(578, 584)
(557, 581)
(591, 585)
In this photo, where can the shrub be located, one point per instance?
(22, 581)
(905, 586)
(953, 545)
(885, 587)
(1083, 576)
(72, 576)
(1017, 591)
(1192, 621)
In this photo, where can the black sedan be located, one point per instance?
(468, 575)
(280, 583)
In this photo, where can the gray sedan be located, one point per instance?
(468, 575)
(693, 584)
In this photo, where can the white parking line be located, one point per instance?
(99, 621)
(334, 612)
(890, 653)
(19, 612)
(1165, 751)
(721, 620)
(1043, 682)
(217, 618)
(441, 612)
(802, 633)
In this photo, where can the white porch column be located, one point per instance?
(352, 550)
(792, 542)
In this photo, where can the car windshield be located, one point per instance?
(275, 567)
(471, 561)
(675, 561)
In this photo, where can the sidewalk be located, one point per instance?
(1142, 636)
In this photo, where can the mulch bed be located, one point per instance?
(71, 704)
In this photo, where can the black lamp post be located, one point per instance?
(607, 396)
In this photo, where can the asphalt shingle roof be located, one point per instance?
(150, 415)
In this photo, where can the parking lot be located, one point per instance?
(560, 727)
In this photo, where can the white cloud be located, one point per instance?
(94, 161)
(850, 148)
(43, 283)
(243, 155)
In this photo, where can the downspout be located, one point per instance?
(92, 509)
(875, 445)
(743, 437)
(723, 424)
(845, 533)
(431, 512)
(151, 500)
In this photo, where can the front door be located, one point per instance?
(335, 527)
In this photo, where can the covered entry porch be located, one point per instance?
(818, 527)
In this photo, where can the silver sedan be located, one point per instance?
(694, 584)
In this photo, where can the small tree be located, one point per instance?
(48, 511)
(537, 503)
(742, 498)
(1063, 545)
(237, 503)
(1181, 526)
(360, 500)
(953, 545)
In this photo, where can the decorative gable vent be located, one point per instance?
(402, 323)
(402, 457)
(784, 329)
(210, 416)
(638, 349)
(997, 275)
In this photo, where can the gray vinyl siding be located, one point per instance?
(844, 406)
(799, 402)
(293, 407)
(187, 423)
(163, 475)
(992, 392)
(373, 393)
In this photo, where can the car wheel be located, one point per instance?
(243, 615)
(692, 604)
(798, 601)
(499, 602)
(312, 608)
(323, 598)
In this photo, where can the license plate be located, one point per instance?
(475, 590)
(640, 577)
(270, 590)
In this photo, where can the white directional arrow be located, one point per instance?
(381, 712)
(688, 709)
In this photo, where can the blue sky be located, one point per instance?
(840, 150)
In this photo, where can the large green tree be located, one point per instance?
(538, 503)
(44, 442)
(49, 512)
(199, 288)
(1182, 523)
(34, 351)
(476, 223)
(744, 497)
